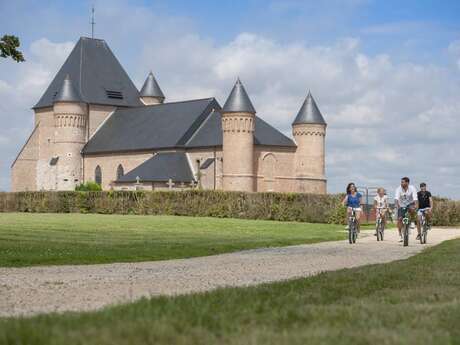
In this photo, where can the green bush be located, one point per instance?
(89, 186)
(270, 206)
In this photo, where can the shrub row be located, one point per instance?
(274, 206)
(271, 206)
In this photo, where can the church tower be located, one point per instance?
(70, 122)
(151, 92)
(238, 124)
(309, 132)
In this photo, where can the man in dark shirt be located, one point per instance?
(425, 203)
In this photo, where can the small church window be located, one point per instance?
(120, 171)
(98, 175)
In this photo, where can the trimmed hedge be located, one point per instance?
(271, 206)
(274, 206)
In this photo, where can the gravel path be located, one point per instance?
(33, 290)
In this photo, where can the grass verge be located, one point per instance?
(54, 239)
(415, 301)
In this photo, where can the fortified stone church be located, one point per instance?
(92, 124)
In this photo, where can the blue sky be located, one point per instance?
(386, 74)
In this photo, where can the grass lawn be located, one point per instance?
(415, 301)
(50, 239)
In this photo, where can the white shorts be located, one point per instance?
(420, 210)
(357, 209)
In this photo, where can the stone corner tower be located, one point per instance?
(238, 124)
(70, 122)
(309, 132)
(151, 93)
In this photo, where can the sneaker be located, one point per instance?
(418, 237)
(400, 240)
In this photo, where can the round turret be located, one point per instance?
(70, 120)
(238, 121)
(309, 132)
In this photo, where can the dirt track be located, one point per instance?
(32, 290)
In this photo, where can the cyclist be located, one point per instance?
(405, 197)
(425, 204)
(381, 205)
(353, 200)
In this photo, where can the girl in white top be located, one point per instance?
(381, 204)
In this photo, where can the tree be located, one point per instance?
(8, 48)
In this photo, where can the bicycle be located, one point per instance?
(380, 225)
(425, 227)
(406, 225)
(352, 227)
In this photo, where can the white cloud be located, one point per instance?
(385, 119)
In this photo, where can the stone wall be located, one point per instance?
(46, 177)
(109, 164)
(70, 124)
(238, 152)
(24, 168)
(97, 115)
(310, 155)
(211, 177)
(273, 166)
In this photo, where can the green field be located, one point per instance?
(49, 239)
(415, 301)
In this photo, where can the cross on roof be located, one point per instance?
(92, 22)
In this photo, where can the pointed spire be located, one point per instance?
(67, 92)
(238, 101)
(309, 112)
(151, 88)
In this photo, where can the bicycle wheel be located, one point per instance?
(377, 231)
(355, 235)
(381, 231)
(350, 232)
(406, 235)
(424, 233)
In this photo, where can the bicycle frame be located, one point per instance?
(380, 225)
(424, 227)
(352, 226)
(406, 225)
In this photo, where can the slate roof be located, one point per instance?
(151, 88)
(210, 134)
(67, 92)
(96, 74)
(188, 124)
(309, 112)
(238, 100)
(159, 126)
(161, 167)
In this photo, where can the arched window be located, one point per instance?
(120, 171)
(269, 171)
(98, 175)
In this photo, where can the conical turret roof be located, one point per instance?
(67, 92)
(309, 112)
(151, 88)
(238, 101)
